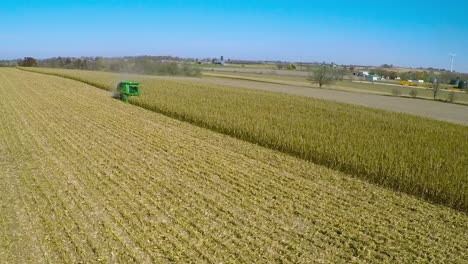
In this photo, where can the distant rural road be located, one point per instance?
(436, 110)
(262, 71)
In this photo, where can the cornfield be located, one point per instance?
(419, 156)
(88, 179)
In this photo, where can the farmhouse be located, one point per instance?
(373, 77)
(361, 73)
(205, 61)
(455, 82)
(220, 61)
(463, 85)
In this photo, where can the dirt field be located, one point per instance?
(88, 179)
(436, 110)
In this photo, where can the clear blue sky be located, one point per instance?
(406, 33)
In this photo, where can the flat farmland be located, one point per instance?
(86, 178)
(338, 92)
(419, 156)
(363, 94)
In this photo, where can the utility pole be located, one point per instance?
(451, 61)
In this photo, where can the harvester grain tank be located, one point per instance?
(126, 89)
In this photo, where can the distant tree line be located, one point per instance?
(142, 64)
(28, 62)
(246, 62)
(8, 63)
(428, 76)
(386, 66)
(285, 66)
(156, 65)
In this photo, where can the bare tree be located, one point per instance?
(323, 75)
(340, 73)
(451, 97)
(281, 66)
(435, 88)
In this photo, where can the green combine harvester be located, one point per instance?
(126, 89)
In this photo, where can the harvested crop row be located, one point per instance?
(419, 156)
(90, 179)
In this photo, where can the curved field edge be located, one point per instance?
(91, 180)
(419, 156)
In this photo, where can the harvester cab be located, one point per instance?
(126, 89)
